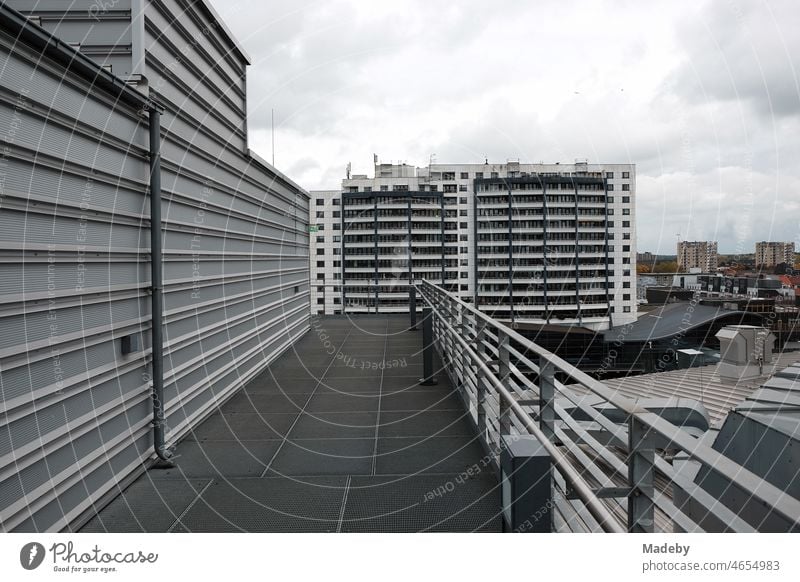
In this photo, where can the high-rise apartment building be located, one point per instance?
(769, 254)
(541, 243)
(697, 255)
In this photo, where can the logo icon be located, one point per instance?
(31, 555)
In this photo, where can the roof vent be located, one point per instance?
(744, 349)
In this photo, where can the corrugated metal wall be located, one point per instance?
(74, 278)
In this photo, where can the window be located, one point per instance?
(320, 276)
(626, 273)
(626, 309)
(626, 285)
(626, 248)
(626, 211)
(401, 187)
(610, 175)
(478, 175)
(337, 251)
(626, 236)
(337, 226)
(626, 175)
(320, 301)
(320, 214)
(464, 175)
(626, 224)
(495, 175)
(336, 200)
(463, 238)
(320, 289)
(320, 251)
(626, 199)
(320, 239)
(611, 187)
(610, 224)
(462, 212)
(462, 225)
(322, 226)
(626, 187)
(337, 238)
(384, 188)
(463, 250)
(367, 188)
(610, 211)
(337, 263)
(337, 214)
(626, 260)
(320, 264)
(320, 202)
(462, 188)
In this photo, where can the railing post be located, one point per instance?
(641, 463)
(412, 306)
(547, 392)
(503, 343)
(427, 348)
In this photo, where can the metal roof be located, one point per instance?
(702, 384)
(670, 320)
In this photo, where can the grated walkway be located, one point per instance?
(335, 436)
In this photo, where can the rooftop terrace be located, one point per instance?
(336, 435)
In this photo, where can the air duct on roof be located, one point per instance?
(744, 349)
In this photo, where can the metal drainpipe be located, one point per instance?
(157, 302)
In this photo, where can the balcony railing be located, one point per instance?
(617, 465)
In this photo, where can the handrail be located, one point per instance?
(472, 340)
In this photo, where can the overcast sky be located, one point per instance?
(702, 96)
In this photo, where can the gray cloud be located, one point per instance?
(744, 52)
(702, 98)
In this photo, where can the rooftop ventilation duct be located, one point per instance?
(744, 349)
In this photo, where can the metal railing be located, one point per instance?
(627, 476)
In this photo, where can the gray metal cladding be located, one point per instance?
(75, 414)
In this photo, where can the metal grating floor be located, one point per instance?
(334, 436)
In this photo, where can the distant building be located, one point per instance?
(769, 254)
(645, 258)
(698, 255)
(567, 256)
